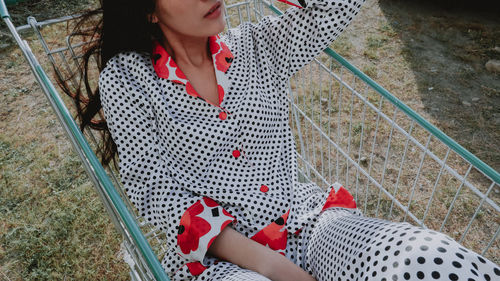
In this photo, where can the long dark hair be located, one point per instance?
(114, 27)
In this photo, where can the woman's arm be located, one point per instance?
(294, 39)
(187, 219)
(236, 248)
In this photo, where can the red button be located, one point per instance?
(236, 153)
(222, 115)
(264, 188)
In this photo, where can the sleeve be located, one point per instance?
(190, 222)
(295, 38)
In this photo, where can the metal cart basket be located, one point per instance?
(347, 128)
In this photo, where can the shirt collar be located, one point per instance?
(165, 66)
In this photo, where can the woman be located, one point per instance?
(200, 123)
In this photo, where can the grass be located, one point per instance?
(53, 225)
(396, 63)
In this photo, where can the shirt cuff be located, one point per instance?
(296, 3)
(199, 226)
(339, 197)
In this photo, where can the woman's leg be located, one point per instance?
(353, 247)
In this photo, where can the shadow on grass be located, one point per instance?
(447, 50)
(41, 10)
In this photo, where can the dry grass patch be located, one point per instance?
(53, 226)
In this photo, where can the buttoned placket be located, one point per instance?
(223, 113)
(237, 153)
(222, 58)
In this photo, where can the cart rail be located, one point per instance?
(122, 217)
(348, 128)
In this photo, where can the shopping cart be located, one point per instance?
(347, 128)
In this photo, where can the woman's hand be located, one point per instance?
(246, 253)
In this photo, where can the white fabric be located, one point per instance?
(175, 150)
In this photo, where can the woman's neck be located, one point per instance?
(187, 50)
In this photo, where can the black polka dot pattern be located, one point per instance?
(343, 245)
(186, 163)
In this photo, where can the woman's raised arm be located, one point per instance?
(295, 38)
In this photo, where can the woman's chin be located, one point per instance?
(217, 28)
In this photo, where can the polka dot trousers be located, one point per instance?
(344, 245)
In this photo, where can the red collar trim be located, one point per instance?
(165, 67)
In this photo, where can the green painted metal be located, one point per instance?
(4, 13)
(13, 2)
(127, 218)
(131, 225)
(476, 162)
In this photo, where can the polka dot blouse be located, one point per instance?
(192, 167)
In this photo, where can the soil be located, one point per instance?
(433, 59)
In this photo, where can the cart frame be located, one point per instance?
(314, 166)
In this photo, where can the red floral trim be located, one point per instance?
(223, 59)
(210, 203)
(179, 73)
(166, 68)
(160, 58)
(274, 235)
(195, 268)
(220, 90)
(213, 45)
(191, 228)
(200, 224)
(295, 3)
(341, 198)
(191, 91)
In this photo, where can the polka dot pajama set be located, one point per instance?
(192, 167)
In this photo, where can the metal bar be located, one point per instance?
(471, 158)
(476, 212)
(350, 131)
(48, 22)
(371, 153)
(454, 199)
(386, 158)
(348, 158)
(418, 172)
(431, 154)
(401, 165)
(329, 122)
(4, 13)
(90, 161)
(297, 121)
(435, 184)
(337, 172)
(480, 165)
(491, 241)
(360, 145)
(320, 101)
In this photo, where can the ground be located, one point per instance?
(434, 61)
(52, 224)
